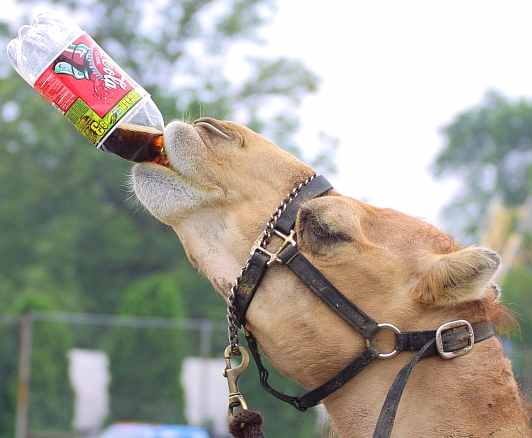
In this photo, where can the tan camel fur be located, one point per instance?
(225, 182)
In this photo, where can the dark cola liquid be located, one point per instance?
(136, 143)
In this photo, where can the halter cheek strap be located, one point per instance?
(450, 340)
(260, 257)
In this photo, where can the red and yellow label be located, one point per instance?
(86, 85)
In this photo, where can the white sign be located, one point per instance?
(89, 376)
(205, 393)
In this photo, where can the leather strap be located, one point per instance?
(257, 264)
(325, 291)
(313, 397)
(315, 188)
(384, 426)
(424, 343)
(453, 339)
(251, 278)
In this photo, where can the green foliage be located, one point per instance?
(52, 404)
(518, 297)
(159, 398)
(8, 374)
(156, 294)
(489, 148)
(71, 239)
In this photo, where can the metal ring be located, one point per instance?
(395, 330)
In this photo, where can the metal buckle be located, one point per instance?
(389, 354)
(274, 255)
(450, 325)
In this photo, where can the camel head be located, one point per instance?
(225, 181)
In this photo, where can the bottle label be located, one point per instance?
(89, 88)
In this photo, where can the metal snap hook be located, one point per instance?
(232, 374)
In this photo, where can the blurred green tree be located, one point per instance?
(159, 398)
(70, 238)
(489, 149)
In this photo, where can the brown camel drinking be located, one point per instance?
(222, 185)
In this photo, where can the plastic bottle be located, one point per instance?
(74, 74)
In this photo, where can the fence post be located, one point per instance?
(24, 377)
(205, 338)
(205, 332)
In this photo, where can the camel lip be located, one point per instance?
(155, 164)
(186, 148)
(163, 167)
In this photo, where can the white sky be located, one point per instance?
(392, 74)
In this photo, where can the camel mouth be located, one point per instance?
(182, 153)
(173, 188)
(161, 160)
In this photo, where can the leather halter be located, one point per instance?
(450, 340)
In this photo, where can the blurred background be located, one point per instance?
(421, 106)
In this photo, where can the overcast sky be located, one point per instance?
(392, 74)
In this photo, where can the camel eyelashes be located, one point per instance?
(320, 226)
(321, 230)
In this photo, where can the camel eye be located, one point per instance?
(318, 232)
(327, 233)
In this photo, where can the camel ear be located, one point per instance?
(458, 277)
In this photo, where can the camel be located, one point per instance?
(222, 184)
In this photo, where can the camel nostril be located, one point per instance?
(213, 126)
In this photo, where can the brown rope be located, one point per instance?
(246, 424)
